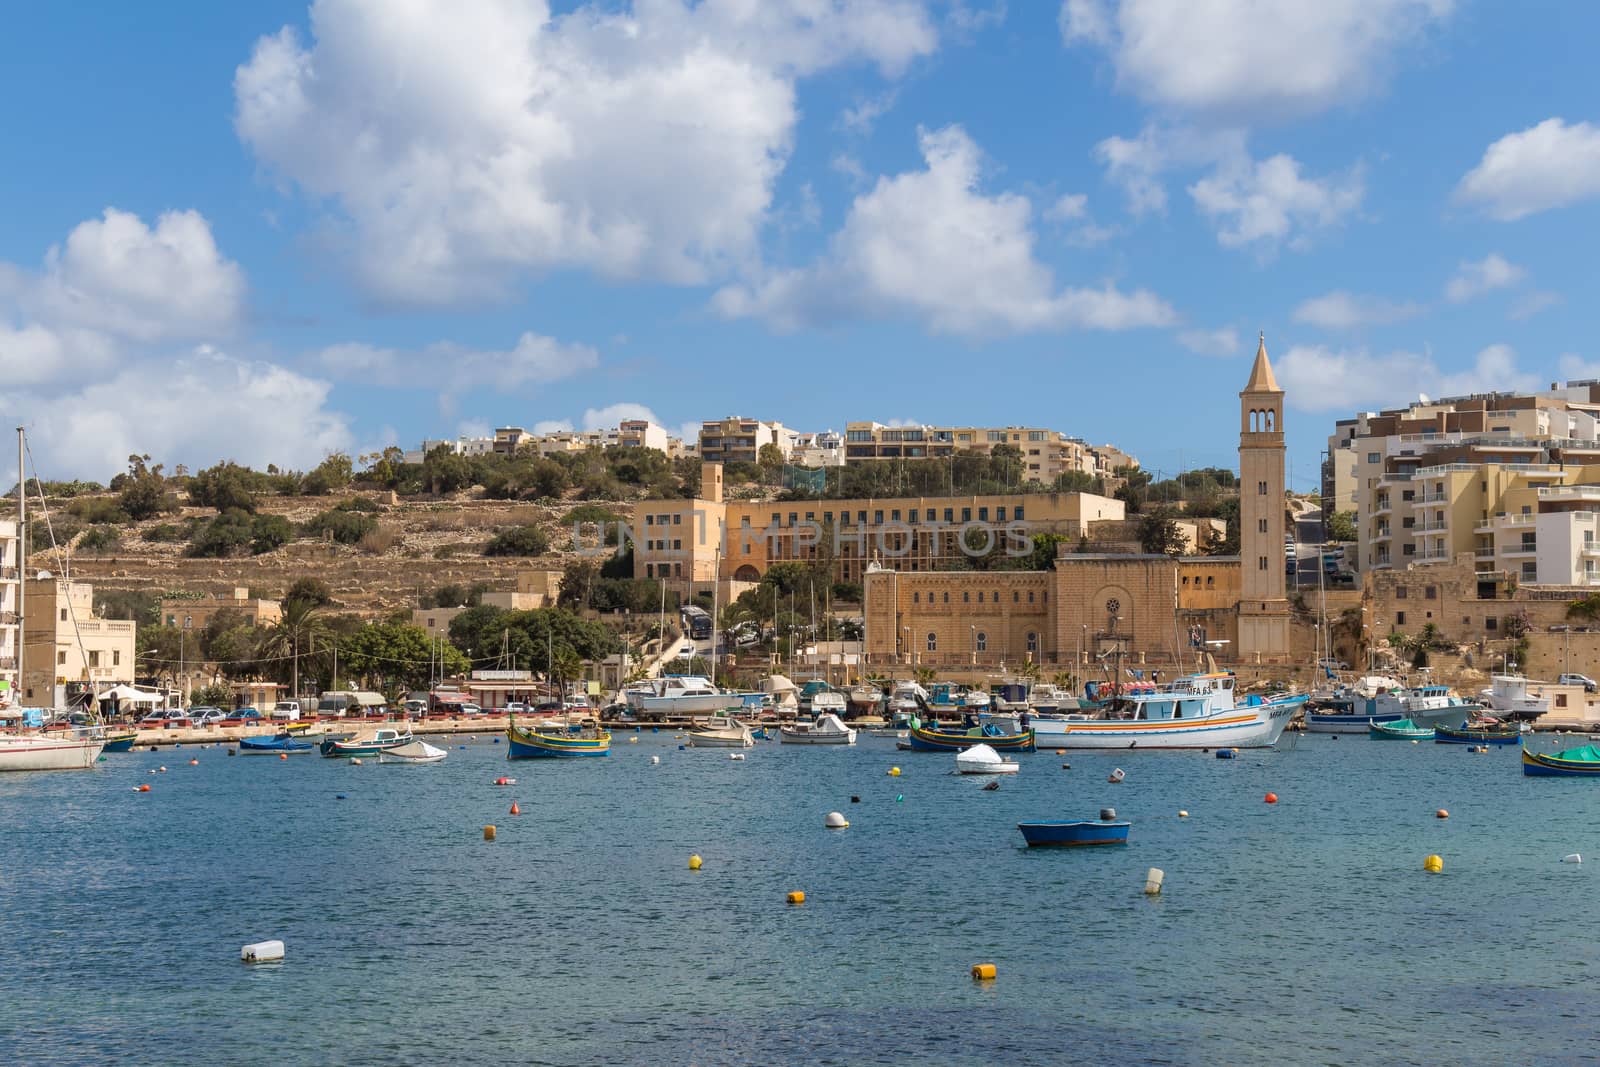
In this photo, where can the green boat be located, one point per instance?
(1399, 730)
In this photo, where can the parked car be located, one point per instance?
(1578, 679)
(170, 717)
(245, 713)
(1333, 664)
(415, 708)
(286, 710)
(471, 709)
(204, 715)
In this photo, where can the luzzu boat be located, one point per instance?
(555, 740)
(922, 739)
(120, 742)
(1572, 763)
(370, 745)
(1477, 735)
(1399, 730)
(1199, 711)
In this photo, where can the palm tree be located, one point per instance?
(292, 636)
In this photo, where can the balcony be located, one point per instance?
(1483, 553)
(1434, 526)
(1434, 498)
(1433, 555)
(1519, 550)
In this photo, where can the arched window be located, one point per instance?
(983, 641)
(1033, 642)
(916, 598)
(933, 642)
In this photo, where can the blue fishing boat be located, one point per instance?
(1476, 735)
(1572, 763)
(120, 742)
(267, 746)
(1066, 834)
(922, 739)
(556, 740)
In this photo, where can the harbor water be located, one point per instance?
(1304, 931)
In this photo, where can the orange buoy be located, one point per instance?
(283, 755)
(196, 763)
(1271, 798)
(514, 809)
(1441, 814)
(144, 788)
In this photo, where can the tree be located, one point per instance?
(292, 636)
(1159, 534)
(1342, 526)
(100, 540)
(518, 541)
(341, 525)
(397, 655)
(312, 590)
(143, 490)
(769, 458)
(335, 472)
(445, 471)
(226, 487)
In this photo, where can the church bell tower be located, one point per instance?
(1263, 606)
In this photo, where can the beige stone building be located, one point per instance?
(535, 589)
(66, 648)
(736, 439)
(1090, 608)
(195, 613)
(1046, 454)
(8, 612)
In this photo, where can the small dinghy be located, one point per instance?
(1106, 830)
(415, 752)
(271, 746)
(981, 759)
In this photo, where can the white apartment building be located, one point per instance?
(631, 433)
(824, 449)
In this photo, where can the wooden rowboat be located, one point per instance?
(1399, 730)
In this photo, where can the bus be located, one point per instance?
(697, 622)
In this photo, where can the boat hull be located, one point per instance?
(341, 749)
(1443, 735)
(1322, 722)
(120, 742)
(1074, 834)
(253, 746)
(940, 741)
(681, 706)
(788, 737)
(49, 753)
(1249, 726)
(1535, 765)
(523, 744)
(1385, 732)
(720, 739)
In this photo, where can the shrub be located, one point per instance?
(379, 541)
(226, 487)
(145, 496)
(235, 532)
(99, 540)
(332, 473)
(345, 527)
(360, 503)
(97, 509)
(518, 541)
(268, 532)
(164, 533)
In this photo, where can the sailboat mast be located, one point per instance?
(22, 558)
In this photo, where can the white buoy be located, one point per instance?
(835, 821)
(736, 755)
(1116, 776)
(1573, 858)
(262, 952)
(655, 759)
(1153, 880)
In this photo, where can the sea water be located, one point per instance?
(1300, 932)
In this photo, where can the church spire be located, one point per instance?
(1261, 378)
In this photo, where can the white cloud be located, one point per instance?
(196, 409)
(544, 426)
(1067, 207)
(608, 417)
(117, 275)
(1342, 310)
(464, 144)
(473, 428)
(1136, 163)
(1547, 166)
(1317, 378)
(1473, 279)
(1249, 58)
(1533, 303)
(452, 368)
(1267, 202)
(1575, 368)
(929, 245)
(970, 20)
(861, 116)
(1219, 342)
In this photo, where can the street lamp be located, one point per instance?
(188, 621)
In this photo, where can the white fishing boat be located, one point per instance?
(826, 730)
(865, 699)
(415, 752)
(1509, 698)
(981, 759)
(22, 748)
(678, 696)
(907, 698)
(1197, 711)
(721, 731)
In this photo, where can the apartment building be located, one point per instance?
(736, 439)
(508, 440)
(693, 542)
(824, 449)
(195, 613)
(8, 613)
(1046, 454)
(66, 648)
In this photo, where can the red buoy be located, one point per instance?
(283, 755)
(1271, 798)
(514, 809)
(144, 788)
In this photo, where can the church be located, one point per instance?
(1155, 610)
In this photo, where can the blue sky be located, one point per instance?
(267, 231)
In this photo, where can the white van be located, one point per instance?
(286, 710)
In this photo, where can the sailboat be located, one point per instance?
(77, 748)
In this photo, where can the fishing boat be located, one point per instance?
(952, 697)
(270, 746)
(1350, 710)
(1477, 735)
(325, 745)
(1509, 698)
(368, 745)
(865, 699)
(818, 697)
(556, 739)
(677, 695)
(415, 752)
(922, 739)
(1072, 833)
(826, 730)
(721, 731)
(1399, 730)
(982, 759)
(1197, 711)
(907, 699)
(121, 742)
(1572, 763)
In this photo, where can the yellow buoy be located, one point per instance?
(798, 896)
(1433, 864)
(488, 833)
(694, 863)
(894, 772)
(983, 972)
